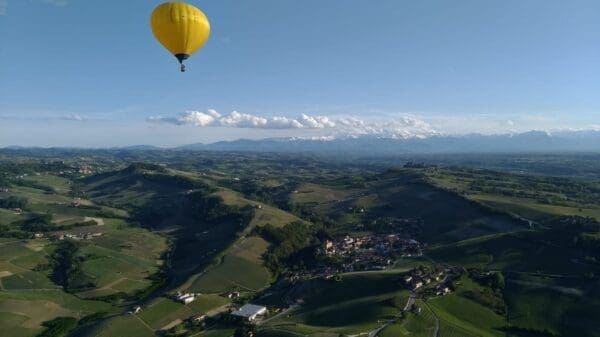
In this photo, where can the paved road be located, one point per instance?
(409, 304)
(286, 311)
(436, 328)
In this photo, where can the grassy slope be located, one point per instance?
(414, 324)
(526, 207)
(403, 194)
(546, 290)
(241, 268)
(353, 305)
(122, 259)
(266, 215)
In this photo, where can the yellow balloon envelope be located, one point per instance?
(181, 28)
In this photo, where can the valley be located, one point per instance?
(111, 244)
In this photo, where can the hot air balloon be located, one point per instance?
(181, 28)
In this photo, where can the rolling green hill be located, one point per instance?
(136, 233)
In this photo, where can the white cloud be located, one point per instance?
(239, 120)
(325, 126)
(317, 122)
(72, 117)
(197, 118)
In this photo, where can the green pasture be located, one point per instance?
(25, 310)
(265, 215)
(59, 184)
(129, 326)
(241, 268)
(350, 306)
(516, 252)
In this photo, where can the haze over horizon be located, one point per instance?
(80, 73)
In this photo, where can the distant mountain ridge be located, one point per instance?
(365, 146)
(532, 141)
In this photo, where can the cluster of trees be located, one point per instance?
(30, 167)
(36, 224)
(140, 167)
(576, 231)
(275, 195)
(35, 184)
(287, 243)
(58, 327)
(491, 279)
(549, 190)
(61, 326)
(247, 330)
(208, 207)
(65, 262)
(13, 202)
(159, 174)
(4, 180)
(25, 228)
(491, 294)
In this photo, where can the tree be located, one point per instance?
(497, 281)
(247, 330)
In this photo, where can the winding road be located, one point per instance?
(409, 303)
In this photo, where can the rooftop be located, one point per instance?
(249, 310)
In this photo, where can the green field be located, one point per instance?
(208, 208)
(319, 194)
(264, 215)
(403, 194)
(533, 304)
(516, 252)
(121, 260)
(353, 305)
(33, 307)
(537, 198)
(130, 326)
(241, 268)
(467, 315)
(59, 184)
(159, 313)
(421, 324)
(533, 210)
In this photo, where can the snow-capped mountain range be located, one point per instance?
(532, 141)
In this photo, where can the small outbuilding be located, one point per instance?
(250, 312)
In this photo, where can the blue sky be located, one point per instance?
(89, 72)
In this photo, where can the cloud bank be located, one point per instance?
(401, 127)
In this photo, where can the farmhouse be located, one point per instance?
(441, 290)
(250, 312)
(233, 294)
(186, 298)
(199, 318)
(136, 310)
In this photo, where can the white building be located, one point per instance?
(186, 298)
(250, 312)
